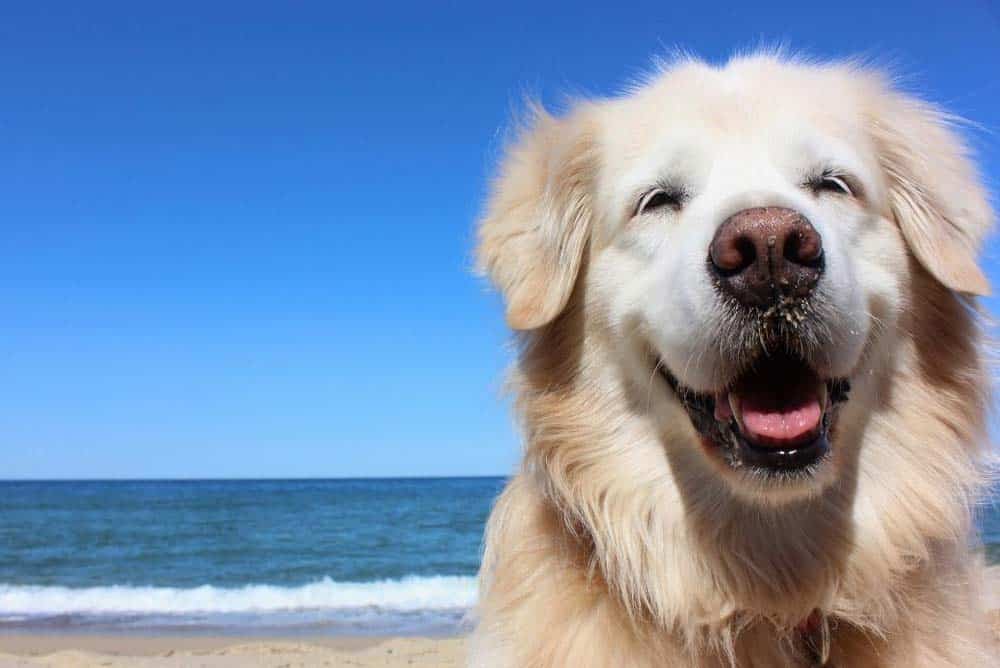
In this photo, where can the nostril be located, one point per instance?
(804, 247)
(792, 247)
(747, 251)
(732, 255)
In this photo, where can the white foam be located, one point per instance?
(404, 595)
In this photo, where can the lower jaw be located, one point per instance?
(739, 453)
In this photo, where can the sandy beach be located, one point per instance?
(214, 652)
(33, 651)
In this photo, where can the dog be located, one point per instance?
(751, 376)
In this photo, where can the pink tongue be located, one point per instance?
(768, 421)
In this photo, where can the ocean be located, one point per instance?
(316, 557)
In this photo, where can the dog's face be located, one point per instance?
(746, 233)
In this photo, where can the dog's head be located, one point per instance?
(747, 234)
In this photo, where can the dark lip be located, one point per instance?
(726, 440)
(799, 458)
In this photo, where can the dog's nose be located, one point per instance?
(759, 255)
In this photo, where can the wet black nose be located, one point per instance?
(760, 255)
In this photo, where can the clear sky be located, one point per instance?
(235, 238)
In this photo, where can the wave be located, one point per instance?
(409, 594)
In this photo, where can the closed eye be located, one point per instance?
(658, 198)
(833, 181)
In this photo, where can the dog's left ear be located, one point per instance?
(934, 190)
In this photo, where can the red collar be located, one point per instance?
(810, 624)
(815, 635)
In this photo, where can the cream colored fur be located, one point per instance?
(620, 543)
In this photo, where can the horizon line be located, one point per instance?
(258, 479)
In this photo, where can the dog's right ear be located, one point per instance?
(538, 218)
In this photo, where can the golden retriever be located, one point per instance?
(751, 377)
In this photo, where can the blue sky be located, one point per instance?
(235, 237)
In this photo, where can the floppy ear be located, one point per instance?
(538, 217)
(934, 191)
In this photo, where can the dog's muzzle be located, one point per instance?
(778, 413)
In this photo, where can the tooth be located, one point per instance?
(734, 405)
(822, 397)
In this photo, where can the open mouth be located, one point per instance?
(778, 416)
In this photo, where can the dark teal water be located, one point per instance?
(316, 556)
(230, 533)
(323, 555)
